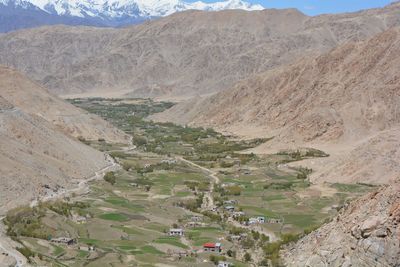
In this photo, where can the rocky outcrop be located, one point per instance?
(365, 233)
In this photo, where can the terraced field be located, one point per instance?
(161, 185)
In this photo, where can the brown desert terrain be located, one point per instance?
(184, 54)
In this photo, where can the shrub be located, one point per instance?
(215, 259)
(26, 252)
(139, 140)
(247, 257)
(234, 190)
(110, 177)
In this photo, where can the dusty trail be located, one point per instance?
(208, 202)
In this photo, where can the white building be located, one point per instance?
(224, 264)
(176, 232)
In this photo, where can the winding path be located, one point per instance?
(208, 203)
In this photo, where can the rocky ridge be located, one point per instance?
(365, 233)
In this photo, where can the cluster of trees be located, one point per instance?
(234, 190)
(197, 186)
(192, 204)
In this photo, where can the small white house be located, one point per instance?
(261, 219)
(237, 214)
(87, 248)
(224, 264)
(230, 208)
(257, 220)
(176, 232)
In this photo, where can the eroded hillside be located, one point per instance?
(36, 159)
(34, 99)
(184, 54)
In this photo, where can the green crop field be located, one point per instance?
(156, 190)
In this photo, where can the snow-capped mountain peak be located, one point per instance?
(111, 9)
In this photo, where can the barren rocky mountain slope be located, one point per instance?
(365, 233)
(37, 146)
(184, 54)
(347, 97)
(34, 99)
(348, 93)
(33, 153)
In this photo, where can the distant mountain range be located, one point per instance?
(18, 14)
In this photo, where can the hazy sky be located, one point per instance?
(314, 7)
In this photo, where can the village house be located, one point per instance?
(134, 184)
(63, 240)
(169, 161)
(224, 264)
(237, 214)
(227, 185)
(230, 202)
(273, 220)
(194, 224)
(212, 247)
(79, 219)
(257, 220)
(87, 248)
(230, 208)
(175, 232)
(261, 219)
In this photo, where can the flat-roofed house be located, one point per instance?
(176, 232)
(212, 247)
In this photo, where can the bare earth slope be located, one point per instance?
(34, 99)
(33, 153)
(365, 233)
(348, 93)
(184, 54)
(348, 97)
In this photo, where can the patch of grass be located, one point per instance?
(353, 188)
(260, 211)
(171, 241)
(182, 194)
(127, 247)
(274, 197)
(83, 254)
(57, 250)
(89, 241)
(122, 202)
(119, 217)
(300, 220)
(128, 230)
(151, 250)
(156, 226)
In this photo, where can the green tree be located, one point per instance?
(110, 177)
